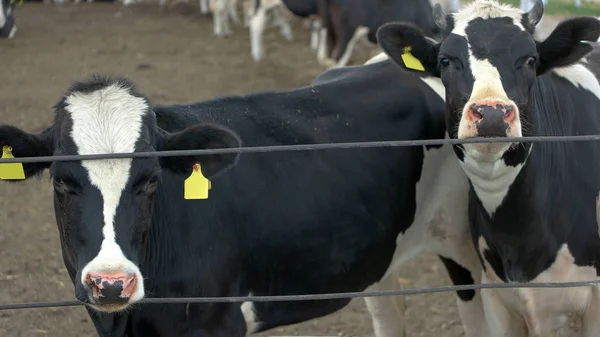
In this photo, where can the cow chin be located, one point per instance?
(486, 152)
(109, 308)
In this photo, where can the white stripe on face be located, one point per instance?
(108, 120)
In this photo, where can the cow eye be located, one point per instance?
(60, 186)
(444, 62)
(150, 186)
(531, 62)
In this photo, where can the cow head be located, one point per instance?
(8, 28)
(488, 62)
(103, 208)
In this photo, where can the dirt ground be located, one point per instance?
(174, 58)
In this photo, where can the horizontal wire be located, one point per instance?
(402, 292)
(300, 147)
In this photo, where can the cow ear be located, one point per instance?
(199, 137)
(394, 38)
(26, 144)
(568, 42)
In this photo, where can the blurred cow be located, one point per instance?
(345, 22)
(8, 28)
(277, 12)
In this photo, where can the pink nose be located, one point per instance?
(111, 287)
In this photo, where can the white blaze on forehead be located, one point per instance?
(485, 9)
(108, 120)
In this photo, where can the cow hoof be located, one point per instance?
(257, 57)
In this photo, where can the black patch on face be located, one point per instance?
(459, 276)
(507, 48)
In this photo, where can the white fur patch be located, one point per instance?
(491, 180)
(436, 85)
(544, 312)
(485, 9)
(252, 323)
(580, 76)
(108, 120)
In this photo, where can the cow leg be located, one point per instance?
(315, 28)
(591, 323)
(359, 33)
(470, 306)
(232, 9)
(500, 321)
(220, 19)
(387, 312)
(257, 29)
(322, 52)
(203, 6)
(281, 21)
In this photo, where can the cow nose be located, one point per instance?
(492, 118)
(112, 287)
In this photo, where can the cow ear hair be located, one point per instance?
(198, 137)
(25, 144)
(395, 37)
(571, 40)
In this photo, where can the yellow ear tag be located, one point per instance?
(11, 171)
(410, 61)
(196, 186)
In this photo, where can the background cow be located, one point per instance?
(275, 223)
(532, 207)
(259, 12)
(345, 22)
(8, 27)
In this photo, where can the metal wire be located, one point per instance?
(301, 147)
(401, 292)
(308, 147)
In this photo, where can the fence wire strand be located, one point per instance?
(309, 147)
(398, 292)
(301, 147)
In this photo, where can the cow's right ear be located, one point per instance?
(26, 144)
(394, 38)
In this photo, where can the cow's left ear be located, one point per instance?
(567, 43)
(198, 137)
(394, 38)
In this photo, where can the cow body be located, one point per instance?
(346, 22)
(532, 207)
(8, 27)
(274, 223)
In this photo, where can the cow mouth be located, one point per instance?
(487, 152)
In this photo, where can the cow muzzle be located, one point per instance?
(111, 288)
(487, 118)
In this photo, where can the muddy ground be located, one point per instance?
(173, 57)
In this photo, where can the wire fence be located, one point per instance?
(309, 147)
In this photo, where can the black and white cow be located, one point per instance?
(261, 12)
(274, 223)
(346, 22)
(531, 206)
(8, 27)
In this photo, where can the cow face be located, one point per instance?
(8, 28)
(488, 62)
(103, 208)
